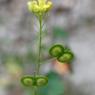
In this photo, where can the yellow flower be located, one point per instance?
(39, 6)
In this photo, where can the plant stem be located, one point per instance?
(40, 45)
(35, 89)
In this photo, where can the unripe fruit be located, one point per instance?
(41, 80)
(56, 50)
(65, 58)
(27, 81)
(67, 50)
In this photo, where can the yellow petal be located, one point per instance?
(41, 2)
(31, 5)
(36, 8)
(48, 6)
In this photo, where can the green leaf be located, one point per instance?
(55, 85)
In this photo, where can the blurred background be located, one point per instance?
(71, 23)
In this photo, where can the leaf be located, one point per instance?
(55, 85)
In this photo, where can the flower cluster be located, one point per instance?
(39, 6)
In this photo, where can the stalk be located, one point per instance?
(40, 46)
(35, 89)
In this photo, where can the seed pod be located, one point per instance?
(66, 58)
(56, 50)
(27, 81)
(67, 50)
(41, 80)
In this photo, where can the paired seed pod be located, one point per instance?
(63, 55)
(30, 81)
(56, 50)
(27, 81)
(41, 80)
(65, 58)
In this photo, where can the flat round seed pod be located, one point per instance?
(67, 50)
(27, 81)
(66, 58)
(41, 80)
(56, 50)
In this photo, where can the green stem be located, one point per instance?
(40, 45)
(35, 89)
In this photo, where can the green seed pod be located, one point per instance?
(66, 58)
(27, 81)
(67, 50)
(41, 80)
(56, 50)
